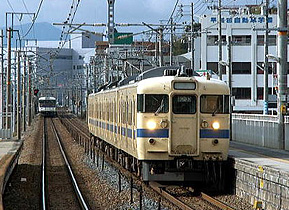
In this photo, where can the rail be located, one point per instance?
(77, 190)
(79, 195)
(155, 186)
(216, 202)
(43, 167)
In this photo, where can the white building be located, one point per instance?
(247, 47)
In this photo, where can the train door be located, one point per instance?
(183, 138)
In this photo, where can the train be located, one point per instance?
(173, 127)
(47, 106)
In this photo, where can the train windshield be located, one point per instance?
(152, 103)
(47, 103)
(184, 104)
(215, 104)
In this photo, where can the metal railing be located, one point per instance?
(4, 132)
(260, 130)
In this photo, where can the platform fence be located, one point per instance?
(5, 133)
(257, 129)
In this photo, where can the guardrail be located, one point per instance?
(257, 129)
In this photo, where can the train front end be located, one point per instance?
(182, 127)
(47, 106)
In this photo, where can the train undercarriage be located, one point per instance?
(182, 170)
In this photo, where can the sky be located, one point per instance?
(95, 11)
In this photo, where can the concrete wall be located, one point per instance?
(260, 183)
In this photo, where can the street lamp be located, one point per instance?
(273, 57)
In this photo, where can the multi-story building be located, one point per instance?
(246, 32)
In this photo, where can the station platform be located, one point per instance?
(9, 154)
(261, 175)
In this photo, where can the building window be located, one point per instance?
(260, 92)
(241, 40)
(241, 68)
(241, 93)
(271, 40)
(214, 67)
(213, 40)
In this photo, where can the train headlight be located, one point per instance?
(216, 125)
(151, 125)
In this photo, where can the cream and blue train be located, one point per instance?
(167, 128)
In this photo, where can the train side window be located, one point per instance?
(140, 104)
(152, 103)
(184, 104)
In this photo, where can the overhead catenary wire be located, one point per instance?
(34, 18)
(26, 8)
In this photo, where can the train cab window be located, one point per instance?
(184, 104)
(215, 104)
(47, 103)
(152, 103)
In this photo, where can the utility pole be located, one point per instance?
(2, 78)
(171, 42)
(282, 68)
(94, 75)
(8, 83)
(29, 93)
(156, 50)
(87, 92)
(192, 38)
(161, 57)
(18, 96)
(24, 94)
(229, 74)
(220, 38)
(266, 58)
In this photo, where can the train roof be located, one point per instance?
(162, 83)
(46, 99)
(150, 80)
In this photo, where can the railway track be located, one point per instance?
(59, 186)
(190, 200)
(187, 199)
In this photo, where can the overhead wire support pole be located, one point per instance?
(8, 82)
(171, 42)
(161, 59)
(18, 96)
(229, 68)
(220, 38)
(24, 94)
(192, 38)
(282, 68)
(265, 110)
(2, 77)
(29, 93)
